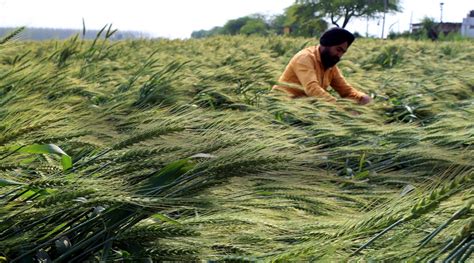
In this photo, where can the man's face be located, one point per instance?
(331, 55)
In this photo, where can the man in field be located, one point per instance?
(312, 70)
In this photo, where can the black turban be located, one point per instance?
(336, 36)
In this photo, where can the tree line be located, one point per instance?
(307, 18)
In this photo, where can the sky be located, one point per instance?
(179, 18)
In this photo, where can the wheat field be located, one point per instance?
(178, 150)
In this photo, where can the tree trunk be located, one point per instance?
(346, 20)
(347, 16)
(334, 22)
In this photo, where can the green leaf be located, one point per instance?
(5, 182)
(361, 175)
(66, 160)
(170, 173)
(54, 231)
(165, 218)
(361, 162)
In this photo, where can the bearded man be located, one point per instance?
(312, 70)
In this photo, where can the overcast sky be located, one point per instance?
(178, 18)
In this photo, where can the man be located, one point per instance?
(313, 69)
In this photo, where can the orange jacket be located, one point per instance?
(305, 76)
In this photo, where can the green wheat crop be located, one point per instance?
(180, 151)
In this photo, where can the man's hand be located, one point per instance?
(365, 99)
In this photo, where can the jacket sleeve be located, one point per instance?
(344, 89)
(304, 70)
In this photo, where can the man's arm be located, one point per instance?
(344, 89)
(304, 70)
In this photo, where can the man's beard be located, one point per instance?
(328, 60)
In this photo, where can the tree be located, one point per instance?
(217, 30)
(336, 10)
(232, 27)
(254, 26)
(247, 25)
(277, 24)
(428, 28)
(302, 20)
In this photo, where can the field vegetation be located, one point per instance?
(144, 150)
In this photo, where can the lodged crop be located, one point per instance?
(180, 151)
